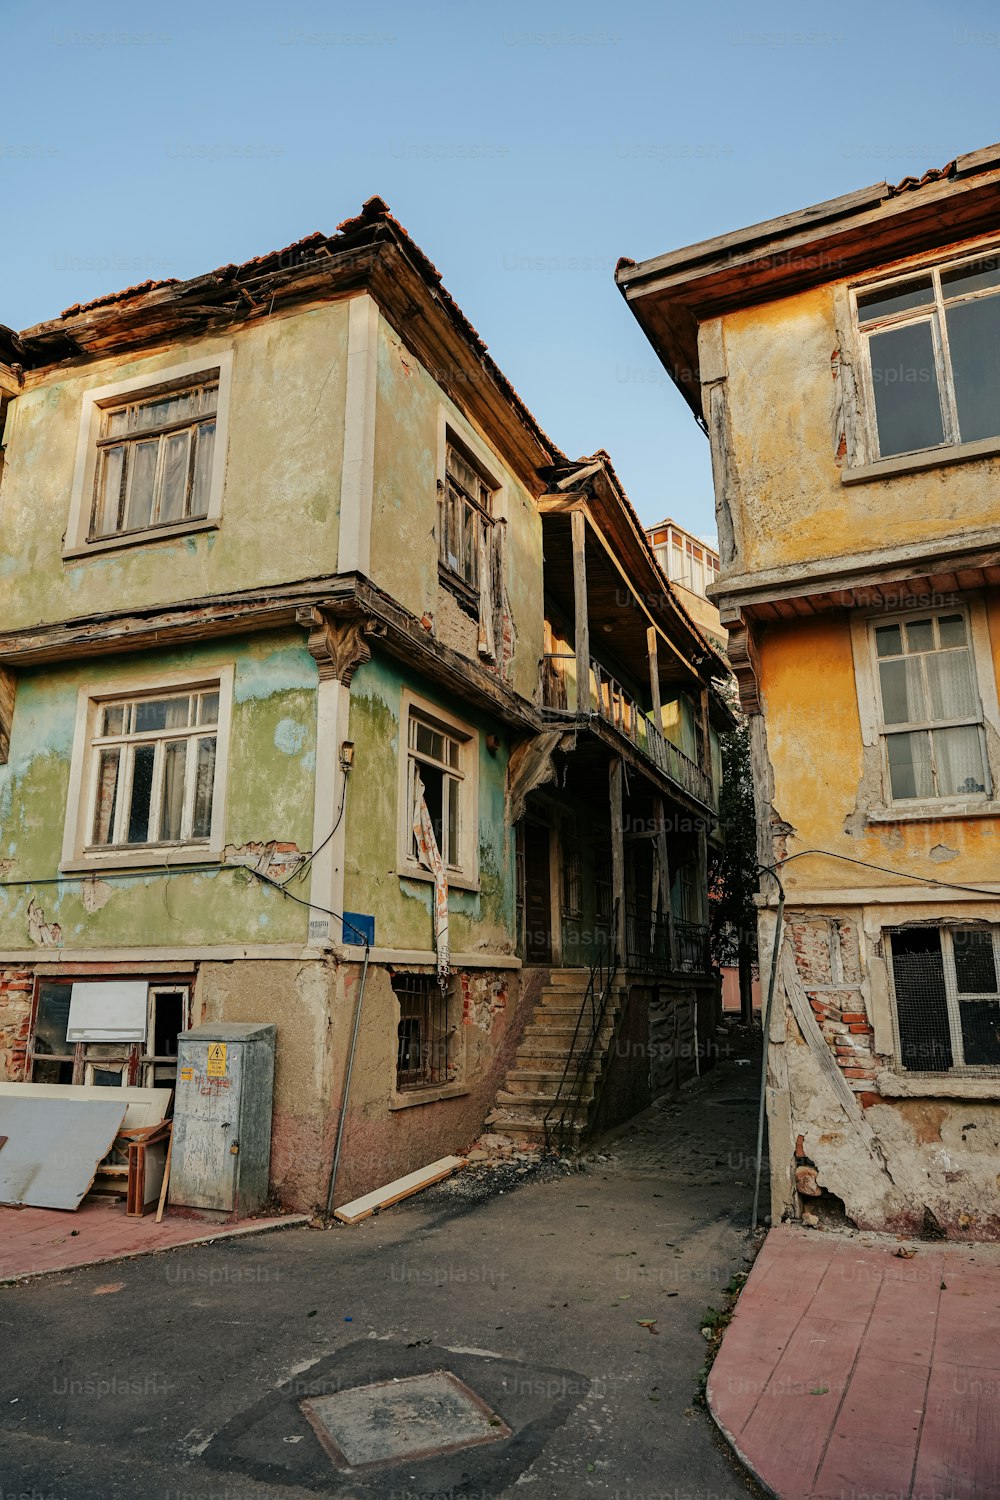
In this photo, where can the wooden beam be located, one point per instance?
(578, 523)
(615, 774)
(6, 712)
(654, 678)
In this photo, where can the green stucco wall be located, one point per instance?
(480, 920)
(284, 458)
(404, 547)
(269, 796)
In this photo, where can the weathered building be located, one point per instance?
(283, 558)
(844, 363)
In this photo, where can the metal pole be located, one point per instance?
(766, 1028)
(347, 1083)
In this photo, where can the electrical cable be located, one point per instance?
(296, 873)
(948, 885)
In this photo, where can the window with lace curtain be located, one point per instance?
(930, 717)
(152, 770)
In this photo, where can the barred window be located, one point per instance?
(425, 1051)
(947, 997)
(155, 455)
(931, 720)
(153, 762)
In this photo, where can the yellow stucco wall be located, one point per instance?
(790, 505)
(811, 709)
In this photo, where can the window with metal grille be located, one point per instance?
(424, 1036)
(930, 716)
(947, 998)
(152, 773)
(932, 347)
(154, 462)
(466, 512)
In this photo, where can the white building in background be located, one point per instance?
(691, 565)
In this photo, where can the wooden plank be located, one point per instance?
(166, 1179)
(395, 1192)
(6, 711)
(615, 776)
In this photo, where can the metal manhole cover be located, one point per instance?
(417, 1417)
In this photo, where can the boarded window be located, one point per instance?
(466, 511)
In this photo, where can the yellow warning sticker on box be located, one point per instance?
(216, 1060)
(187, 1074)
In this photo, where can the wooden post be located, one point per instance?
(656, 712)
(6, 712)
(578, 526)
(663, 862)
(617, 855)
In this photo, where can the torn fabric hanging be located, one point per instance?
(486, 643)
(430, 857)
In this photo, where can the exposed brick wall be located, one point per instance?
(15, 1015)
(842, 1020)
(829, 963)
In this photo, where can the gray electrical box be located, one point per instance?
(222, 1117)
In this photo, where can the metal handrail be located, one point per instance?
(602, 974)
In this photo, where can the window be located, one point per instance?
(441, 762)
(947, 997)
(425, 1035)
(932, 342)
(153, 770)
(930, 716)
(148, 771)
(466, 512)
(150, 460)
(149, 1063)
(154, 459)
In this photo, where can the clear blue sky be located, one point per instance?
(525, 146)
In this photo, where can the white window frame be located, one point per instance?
(952, 998)
(78, 853)
(458, 434)
(873, 730)
(78, 541)
(464, 873)
(951, 444)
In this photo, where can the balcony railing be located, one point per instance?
(666, 945)
(616, 705)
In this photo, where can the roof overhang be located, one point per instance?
(672, 294)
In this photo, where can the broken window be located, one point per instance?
(437, 754)
(930, 714)
(150, 1062)
(153, 770)
(466, 514)
(933, 346)
(947, 997)
(155, 458)
(424, 1035)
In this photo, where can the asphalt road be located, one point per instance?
(183, 1374)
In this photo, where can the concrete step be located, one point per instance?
(523, 1079)
(530, 1131)
(562, 1037)
(568, 979)
(543, 1098)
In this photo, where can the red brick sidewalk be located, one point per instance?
(849, 1372)
(34, 1241)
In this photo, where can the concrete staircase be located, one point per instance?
(532, 1083)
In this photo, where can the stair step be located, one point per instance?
(567, 979)
(506, 1098)
(551, 1068)
(534, 1130)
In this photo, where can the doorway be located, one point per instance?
(537, 894)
